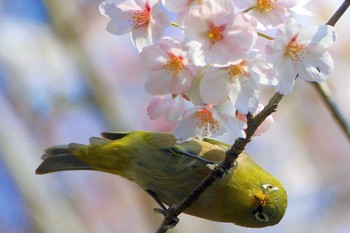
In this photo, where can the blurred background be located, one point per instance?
(63, 78)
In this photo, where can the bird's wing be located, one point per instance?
(179, 149)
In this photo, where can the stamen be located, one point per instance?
(265, 5)
(207, 121)
(215, 33)
(295, 49)
(141, 17)
(174, 65)
(235, 72)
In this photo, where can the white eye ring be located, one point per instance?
(269, 187)
(261, 216)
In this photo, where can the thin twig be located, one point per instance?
(323, 88)
(264, 36)
(240, 144)
(231, 155)
(339, 13)
(333, 107)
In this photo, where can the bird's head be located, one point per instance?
(270, 203)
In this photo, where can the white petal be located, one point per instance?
(181, 83)
(108, 9)
(153, 57)
(233, 126)
(193, 23)
(286, 33)
(323, 35)
(272, 18)
(317, 68)
(235, 90)
(179, 105)
(267, 123)
(275, 50)
(158, 106)
(157, 82)
(175, 6)
(167, 105)
(262, 72)
(130, 5)
(196, 53)
(244, 4)
(194, 92)
(186, 128)
(141, 37)
(300, 10)
(215, 87)
(227, 107)
(119, 26)
(286, 76)
(248, 98)
(159, 21)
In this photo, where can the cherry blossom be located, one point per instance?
(301, 52)
(211, 80)
(239, 82)
(270, 13)
(216, 35)
(169, 105)
(144, 19)
(169, 69)
(205, 121)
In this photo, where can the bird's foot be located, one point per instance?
(220, 171)
(171, 220)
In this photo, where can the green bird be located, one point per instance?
(247, 196)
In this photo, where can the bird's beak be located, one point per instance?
(262, 198)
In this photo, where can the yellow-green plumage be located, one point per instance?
(247, 195)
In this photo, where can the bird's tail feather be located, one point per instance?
(60, 158)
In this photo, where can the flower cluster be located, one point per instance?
(208, 78)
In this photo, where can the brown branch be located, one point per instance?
(339, 13)
(231, 155)
(253, 123)
(323, 89)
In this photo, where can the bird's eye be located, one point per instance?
(261, 216)
(269, 187)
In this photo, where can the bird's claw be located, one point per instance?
(160, 211)
(165, 212)
(219, 171)
(173, 223)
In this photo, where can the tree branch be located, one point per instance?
(323, 88)
(225, 165)
(339, 13)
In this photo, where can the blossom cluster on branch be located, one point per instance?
(206, 73)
